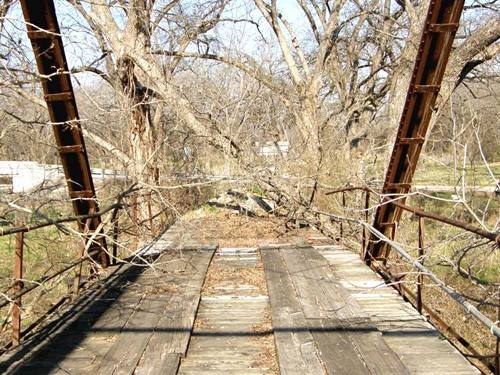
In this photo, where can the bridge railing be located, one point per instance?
(132, 204)
(416, 296)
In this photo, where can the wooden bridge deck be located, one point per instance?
(292, 308)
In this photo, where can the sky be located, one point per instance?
(78, 42)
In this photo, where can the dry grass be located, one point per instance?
(218, 276)
(269, 357)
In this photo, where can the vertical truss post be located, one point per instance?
(434, 50)
(420, 277)
(18, 275)
(367, 207)
(116, 232)
(78, 276)
(343, 208)
(135, 219)
(150, 214)
(44, 34)
(497, 349)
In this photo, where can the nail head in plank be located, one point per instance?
(165, 364)
(297, 351)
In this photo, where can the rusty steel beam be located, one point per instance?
(18, 276)
(44, 34)
(434, 50)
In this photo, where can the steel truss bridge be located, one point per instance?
(330, 311)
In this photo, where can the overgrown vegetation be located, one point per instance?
(190, 98)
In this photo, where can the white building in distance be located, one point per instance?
(26, 176)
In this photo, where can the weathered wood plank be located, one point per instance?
(161, 324)
(174, 328)
(343, 323)
(230, 335)
(169, 342)
(113, 319)
(163, 364)
(296, 349)
(317, 295)
(337, 350)
(124, 355)
(406, 332)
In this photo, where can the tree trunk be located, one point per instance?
(141, 133)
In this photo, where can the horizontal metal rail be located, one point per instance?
(492, 236)
(113, 209)
(31, 227)
(20, 287)
(35, 284)
(456, 296)
(467, 306)
(350, 188)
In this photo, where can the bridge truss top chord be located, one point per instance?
(433, 53)
(45, 37)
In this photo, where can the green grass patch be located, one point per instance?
(257, 190)
(45, 251)
(432, 173)
(209, 208)
(6, 258)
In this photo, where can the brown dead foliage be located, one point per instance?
(236, 231)
(233, 230)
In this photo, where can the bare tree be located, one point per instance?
(348, 79)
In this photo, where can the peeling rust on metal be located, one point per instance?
(435, 46)
(44, 33)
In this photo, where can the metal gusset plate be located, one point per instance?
(434, 50)
(44, 34)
